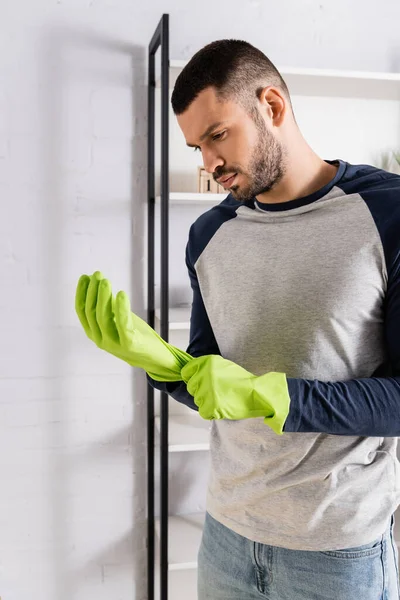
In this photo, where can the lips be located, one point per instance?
(227, 181)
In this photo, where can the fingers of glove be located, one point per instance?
(91, 304)
(105, 313)
(80, 303)
(123, 319)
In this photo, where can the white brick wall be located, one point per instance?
(73, 104)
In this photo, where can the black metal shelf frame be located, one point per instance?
(159, 39)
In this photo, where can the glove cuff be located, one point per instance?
(273, 391)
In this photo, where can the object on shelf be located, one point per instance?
(207, 184)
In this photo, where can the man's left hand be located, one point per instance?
(224, 390)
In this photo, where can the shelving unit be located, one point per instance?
(173, 540)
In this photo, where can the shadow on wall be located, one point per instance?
(120, 66)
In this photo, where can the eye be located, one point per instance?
(218, 135)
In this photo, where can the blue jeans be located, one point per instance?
(232, 567)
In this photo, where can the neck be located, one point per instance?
(306, 173)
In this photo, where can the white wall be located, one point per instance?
(73, 183)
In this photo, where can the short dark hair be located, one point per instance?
(237, 70)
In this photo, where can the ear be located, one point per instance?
(273, 104)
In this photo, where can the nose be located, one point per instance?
(211, 160)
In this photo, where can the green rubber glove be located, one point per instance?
(111, 325)
(224, 390)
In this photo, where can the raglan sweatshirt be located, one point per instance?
(310, 288)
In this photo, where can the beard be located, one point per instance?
(267, 164)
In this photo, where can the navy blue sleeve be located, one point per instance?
(201, 338)
(368, 406)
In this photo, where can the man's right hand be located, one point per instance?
(111, 325)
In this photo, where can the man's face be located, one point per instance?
(238, 145)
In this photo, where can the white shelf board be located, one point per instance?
(179, 318)
(181, 584)
(191, 198)
(185, 433)
(184, 538)
(326, 82)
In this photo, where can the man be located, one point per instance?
(297, 271)
(294, 345)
